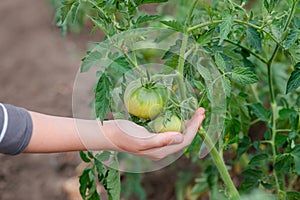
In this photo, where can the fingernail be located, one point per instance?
(177, 139)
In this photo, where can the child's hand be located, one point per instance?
(126, 136)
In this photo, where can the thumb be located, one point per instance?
(163, 139)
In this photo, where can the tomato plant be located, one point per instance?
(255, 46)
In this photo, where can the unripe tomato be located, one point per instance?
(145, 102)
(161, 124)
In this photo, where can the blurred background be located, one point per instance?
(37, 71)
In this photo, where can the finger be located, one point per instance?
(192, 127)
(162, 139)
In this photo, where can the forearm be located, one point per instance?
(53, 134)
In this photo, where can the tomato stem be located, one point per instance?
(220, 164)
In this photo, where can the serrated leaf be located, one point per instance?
(292, 195)
(120, 65)
(244, 76)
(102, 97)
(258, 159)
(99, 23)
(90, 60)
(141, 2)
(103, 156)
(280, 139)
(295, 52)
(226, 85)
(113, 185)
(74, 11)
(291, 38)
(296, 154)
(174, 24)
(254, 39)
(220, 62)
(84, 180)
(173, 50)
(297, 164)
(251, 180)
(294, 80)
(225, 28)
(283, 163)
(84, 157)
(266, 5)
(260, 111)
(146, 18)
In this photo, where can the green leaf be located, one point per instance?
(291, 38)
(244, 145)
(84, 157)
(283, 163)
(251, 180)
(132, 184)
(266, 5)
(244, 76)
(296, 154)
(141, 2)
(295, 52)
(294, 80)
(102, 97)
(297, 164)
(84, 180)
(90, 60)
(254, 38)
(280, 139)
(225, 28)
(258, 159)
(260, 111)
(293, 195)
(220, 62)
(146, 18)
(99, 23)
(103, 156)
(74, 11)
(173, 50)
(112, 184)
(226, 85)
(174, 24)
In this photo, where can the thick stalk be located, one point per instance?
(279, 191)
(182, 51)
(220, 164)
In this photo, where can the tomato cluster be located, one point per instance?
(149, 102)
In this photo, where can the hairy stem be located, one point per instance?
(279, 191)
(220, 164)
(262, 59)
(182, 51)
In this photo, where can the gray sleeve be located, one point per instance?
(15, 129)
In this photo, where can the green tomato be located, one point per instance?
(145, 102)
(161, 124)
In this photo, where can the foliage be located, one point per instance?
(255, 46)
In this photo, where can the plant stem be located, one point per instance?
(262, 59)
(204, 25)
(255, 121)
(220, 164)
(279, 191)
(182, 51)
(236, 21)
(254, 93)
